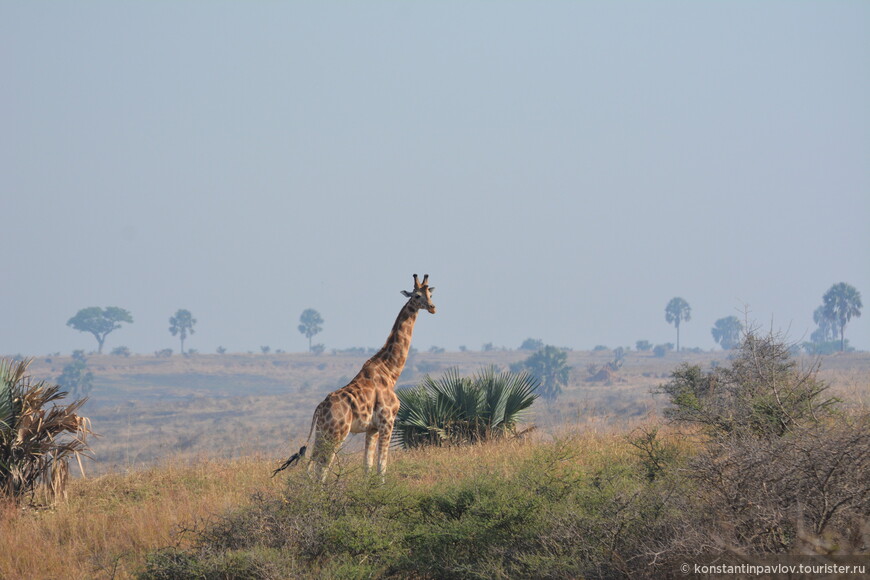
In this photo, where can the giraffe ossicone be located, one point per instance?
(368, 403)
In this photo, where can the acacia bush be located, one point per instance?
(807, 492)
(781, 467)
(764, 392)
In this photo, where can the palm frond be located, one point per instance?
(38, 436)
(520, 394)
(6, 408)
(455, 409)
(494, 395)
(456, 391)
(422, 419)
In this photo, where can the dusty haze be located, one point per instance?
(561, 170)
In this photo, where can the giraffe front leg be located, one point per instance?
(372, 441)
(385, 434)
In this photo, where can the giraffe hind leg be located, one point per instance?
(384, 436)
(320, 469)
(372, 440)
(323, 455)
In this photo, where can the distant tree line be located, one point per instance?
(100, 322)
(840, 304)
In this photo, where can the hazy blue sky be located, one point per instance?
(560, 169)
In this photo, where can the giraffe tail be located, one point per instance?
(313, 422)
(293, 459)
(301, 453)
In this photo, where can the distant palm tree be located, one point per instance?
(826, 331)
(455, 409)
(36, 440)
(310, 322)
(182, 324)
(840, 303)
(677, 311)
(727, 331)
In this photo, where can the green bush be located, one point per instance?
(76, 379)
(533, 344)
(176, 564)
(661, 350)
(171, 564)
(474, 529)
(762, 392)
(549, 366)
(826, 347)
(547, 516)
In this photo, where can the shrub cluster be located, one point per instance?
(762, 393)
(781, 469)
(805, 493)
(551, 517)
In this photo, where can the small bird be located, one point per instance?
(293, 459)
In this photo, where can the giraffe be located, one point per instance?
(368, 403)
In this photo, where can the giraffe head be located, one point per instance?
(421, 296)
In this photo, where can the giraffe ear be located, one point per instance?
(406, 293)
(431, 289)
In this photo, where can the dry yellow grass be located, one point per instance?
(109, 523)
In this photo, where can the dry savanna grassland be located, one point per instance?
(180, 482)
(148, 409)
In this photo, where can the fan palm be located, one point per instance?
(455, 409)
(676, 312)
(727, 331)
(841, 303)
(37, 436)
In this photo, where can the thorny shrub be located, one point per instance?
(782, 469)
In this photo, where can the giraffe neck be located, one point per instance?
(394, 353)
